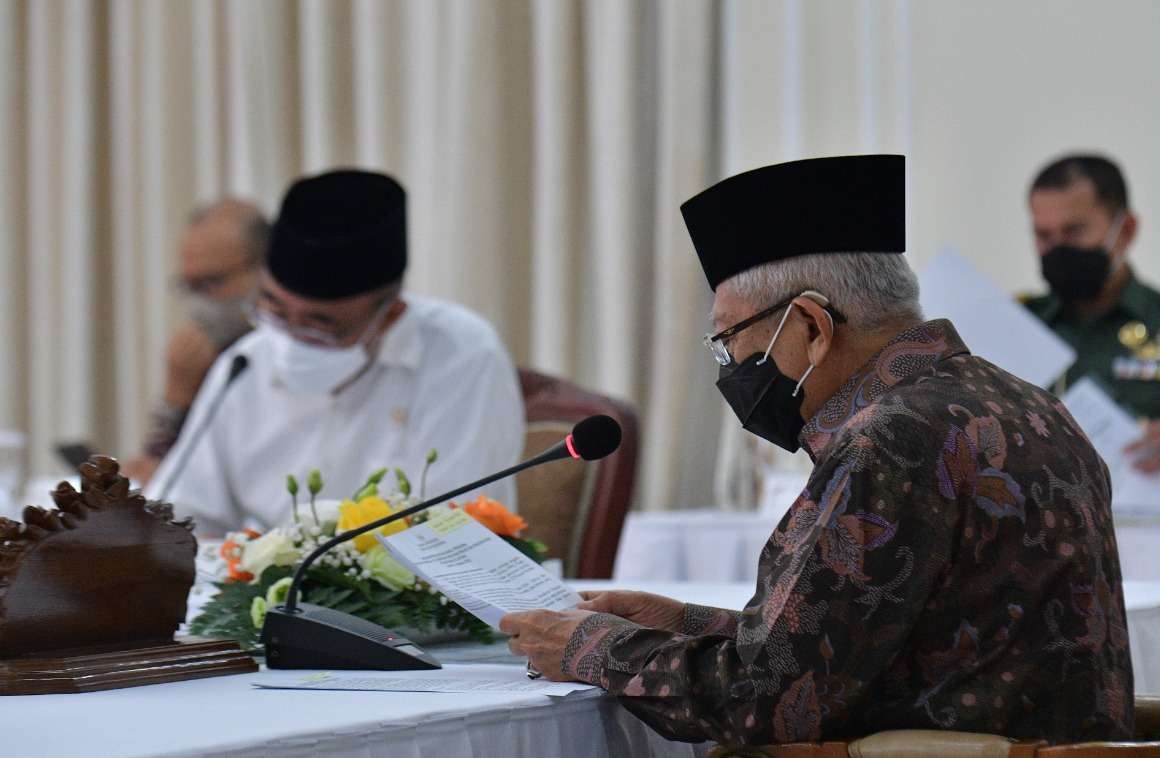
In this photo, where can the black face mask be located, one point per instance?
(1076, 273)
(763, 399)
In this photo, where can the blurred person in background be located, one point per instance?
(220, 254)
(345, 372)
(1084, 227)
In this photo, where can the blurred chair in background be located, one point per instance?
(577, 509)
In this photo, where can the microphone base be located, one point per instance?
(313, 637)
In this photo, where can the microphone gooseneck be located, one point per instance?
(237, 367)
(591, 439)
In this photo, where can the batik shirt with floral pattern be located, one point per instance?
(950, 564)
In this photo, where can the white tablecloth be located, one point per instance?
(1143, 603)
(708, 545)
(226, 716)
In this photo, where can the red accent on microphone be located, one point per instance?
(571, 450)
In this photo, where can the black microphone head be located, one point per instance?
(239, 364)
(595, 437)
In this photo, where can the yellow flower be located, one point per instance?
(352, 515)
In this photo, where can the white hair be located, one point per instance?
(872, 290)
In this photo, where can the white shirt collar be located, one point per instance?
(403, 342)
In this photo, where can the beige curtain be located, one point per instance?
(546, 147)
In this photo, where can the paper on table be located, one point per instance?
(989, 320)
(475, 568)
(1111, 429)
(425, 684)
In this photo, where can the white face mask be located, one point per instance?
(316, 369)
(313, 369)
(223, 320)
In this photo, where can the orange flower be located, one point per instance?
(236, 574)
(231, 551)
(495, 517)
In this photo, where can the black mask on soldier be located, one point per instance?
(1076, 273)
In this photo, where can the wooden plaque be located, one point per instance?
(92, 592)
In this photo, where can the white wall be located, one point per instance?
(1001, 87)
(979, 94)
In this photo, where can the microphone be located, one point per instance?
(302, 635)
(239, 364)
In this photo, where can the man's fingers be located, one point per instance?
(605, 602)
(521, 622)
(511, 623)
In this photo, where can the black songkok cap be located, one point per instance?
(340, 234)
(854, 204)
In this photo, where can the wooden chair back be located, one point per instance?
(577, 508)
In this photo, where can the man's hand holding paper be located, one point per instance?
(1145, 452)
(477, 569)
(542, 635)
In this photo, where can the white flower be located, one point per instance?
(275, 548)
(327, 514)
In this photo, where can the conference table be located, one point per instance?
(228, 716)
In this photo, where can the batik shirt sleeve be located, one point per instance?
(840, 584)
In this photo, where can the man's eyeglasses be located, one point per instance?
(717, 342)
(206, 284)
(259, 316)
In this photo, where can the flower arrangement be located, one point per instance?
(358, 577)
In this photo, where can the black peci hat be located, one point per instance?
(824, 205)
(340, 234)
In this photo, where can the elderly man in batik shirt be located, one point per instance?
(951, 562)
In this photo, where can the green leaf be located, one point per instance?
(404, 483)
(227, 614)
(534, 549)
(371, 488)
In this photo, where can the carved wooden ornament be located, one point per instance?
(92, 593)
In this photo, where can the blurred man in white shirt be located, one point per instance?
(345, 374)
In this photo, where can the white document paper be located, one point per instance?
(1110, 429)
(478, 570)
(409, 684)
(452, 678)
(989, 320)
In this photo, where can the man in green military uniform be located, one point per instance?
(1083, 228)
